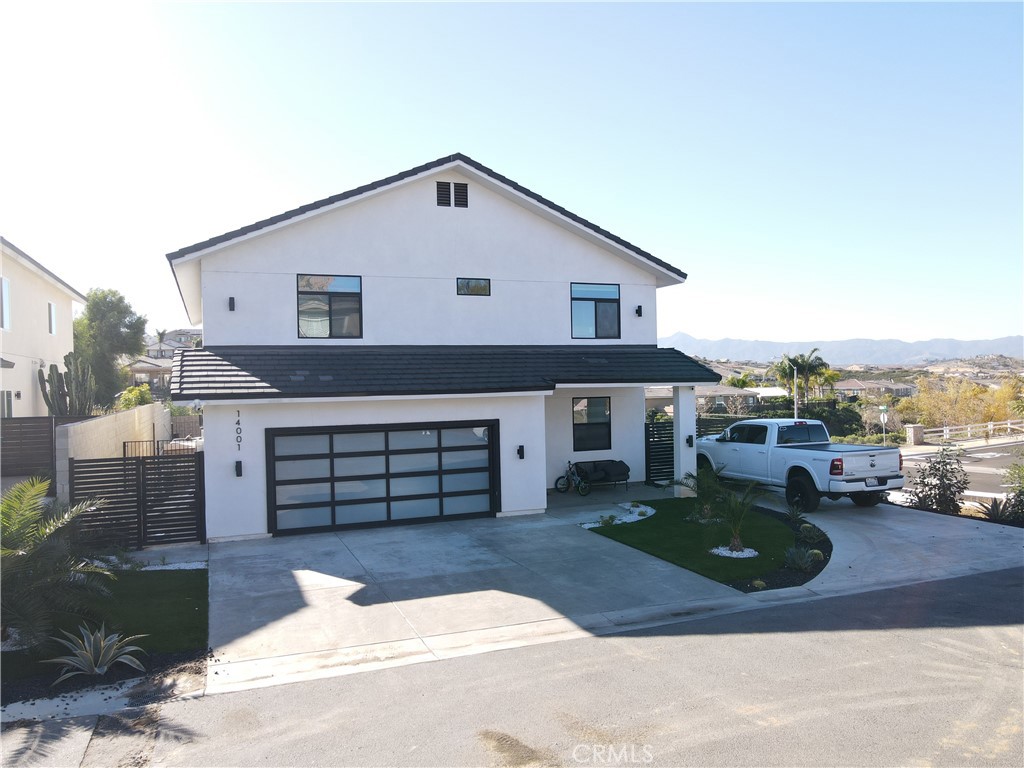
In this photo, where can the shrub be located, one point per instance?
(133, 397)
(606, 520)
(795, 516)
(1008, 512)
(95, 653)
(940, 482)
(812, 534)
(798, 559)
(817, 555)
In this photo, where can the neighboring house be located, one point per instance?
(850, 388)
(723, 398)
(173, 341)
(150, 370)
(433, 345)
(36, 318)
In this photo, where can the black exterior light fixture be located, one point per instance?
(639, 310)
(521, 452)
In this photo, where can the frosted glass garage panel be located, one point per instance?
(302, 469)
(296, 445)
(360, 465)
(407, 510)
(358, 442)
(413, 486)
(473, 481)
(411, 439)
(413, 462)
(361, 513)
(464, 459)
(464, 436)
(303, 518)
(306, 493)
(360, 489)
(467, 505)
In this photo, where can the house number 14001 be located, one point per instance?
(238, 430)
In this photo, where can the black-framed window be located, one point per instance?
(473, 286)
(595, 310)
(453, 193)
(591, 423)
(330, 306)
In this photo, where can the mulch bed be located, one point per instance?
(159, 668)
(786, 577)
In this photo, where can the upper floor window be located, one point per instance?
(445, 198)
(5, 303)
(51, 318)
(330, 306)
(595, 311)
(473, 286)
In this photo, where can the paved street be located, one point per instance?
(929, 674)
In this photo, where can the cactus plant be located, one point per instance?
(71, 393)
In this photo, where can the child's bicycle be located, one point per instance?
(570, 479)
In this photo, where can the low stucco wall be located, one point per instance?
(104, 438)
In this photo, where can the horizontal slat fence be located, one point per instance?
(27, 444)
(147, 500)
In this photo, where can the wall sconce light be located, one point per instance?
(238, 469)
(197, 404)
(639, 310)
(521, 452)
(231, 303)
(689, 441)
(17, 395)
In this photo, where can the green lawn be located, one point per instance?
(669, 535)
(172, 607)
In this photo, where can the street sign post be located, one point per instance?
(883, 417)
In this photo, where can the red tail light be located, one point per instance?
(836, 467)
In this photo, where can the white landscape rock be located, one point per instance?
(726, 552)
(631, 515)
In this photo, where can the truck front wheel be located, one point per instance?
(866, 499)
(801, 493)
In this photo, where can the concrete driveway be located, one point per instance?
(295, 608)
(323, 604)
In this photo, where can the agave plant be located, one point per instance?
(44, 572)
(95, 652)
(798, 559)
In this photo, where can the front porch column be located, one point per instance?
(684, 425)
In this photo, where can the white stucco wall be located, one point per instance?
(28, 340)
(409, 252)
(627, 409)
(237, 506)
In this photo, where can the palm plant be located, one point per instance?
(707, 487)
(734, 509)
(808, 366)
(44, 571)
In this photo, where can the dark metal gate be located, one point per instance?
(148, 499)
(659, 451)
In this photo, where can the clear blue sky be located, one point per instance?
(821, 171)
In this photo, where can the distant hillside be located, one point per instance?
(850, 352)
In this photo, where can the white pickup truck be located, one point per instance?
(798, 455)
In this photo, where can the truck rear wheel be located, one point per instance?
(801, 493)
(869, 499)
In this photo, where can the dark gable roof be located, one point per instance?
(439, 163)
(247, 372)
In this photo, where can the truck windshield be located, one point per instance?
(802, 433)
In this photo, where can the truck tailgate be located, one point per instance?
(880, 462)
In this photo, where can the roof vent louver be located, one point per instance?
(461, 195)
(444, 194)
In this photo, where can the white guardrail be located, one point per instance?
(975, 431)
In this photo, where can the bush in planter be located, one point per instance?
(940, 483)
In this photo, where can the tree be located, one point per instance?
(106, 331)
(44, 573)
(743, 381)
(952, 401)
(807, 366)
(160, 336)
(826, 381)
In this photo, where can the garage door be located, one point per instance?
(328, 478)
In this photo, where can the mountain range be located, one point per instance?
(848, 352)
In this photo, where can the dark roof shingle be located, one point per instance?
(247, 372)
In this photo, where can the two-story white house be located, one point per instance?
(430, 346)
(36, 328)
